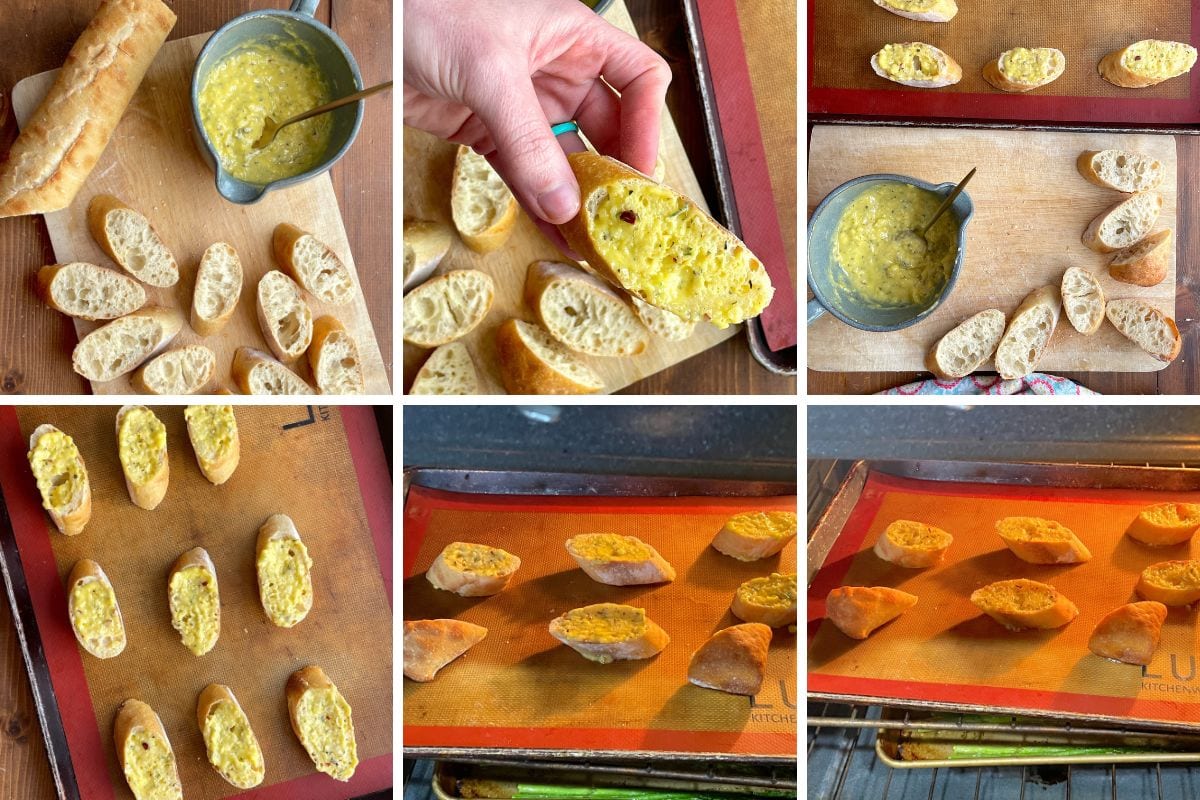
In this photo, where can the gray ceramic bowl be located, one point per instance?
(847, 307)
(333, 58)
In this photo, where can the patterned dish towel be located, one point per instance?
(1034, 383)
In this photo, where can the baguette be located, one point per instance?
(285, 319)
(232, 747)
(94, 611)
(1083, 300)
(582, 311)
(213, 433)
(184, 370)
(1042, 541)
(1172, 583)
(1146, 63)
(965, 347)
(257, 373)
(1147, 327)
(858, 611)
(333, 356)
(448, 307)
(916, 64)
(129, 239)
(619, 560)
(1023, 69)
(145, 753)
(1022, 603)
(312, 264)
(472, 570)
(921, 10)
(770, 600)
(322, 721)
(121, 346)
(913, 544)
(64, 138)
(733, 660)
(448, 370)
(142, 448)
(62, 478)
(608, 632)
(284, 572)
(430, 644)
(86, 291)
(1165, 524)
(1121, 170)
(662, 323)
(195, 600)
(425, 245)
(1129, 634)
(533, 362)
(752, 535)
(483, 208)
(218, 288)
(1145, 263)
(1124, 224)
(1028, 334)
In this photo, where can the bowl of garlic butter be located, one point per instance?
(863, 264)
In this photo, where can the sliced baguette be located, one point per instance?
(1083, 300)
(448, 370)
(616, 560)
(333, 356)
(142, 451)
(218, 288)
(483, 208)
(608, 632)
(662, 323)
(533, 362)
(916, 64)
(858, 611)
(1023, 69)
(61, 477)
(214, 436)
(255, 372)
(1129, 634)
(921, 10)
(283, 316)
(582, 311)
(733, 660)
(312, 264)
(752, 535)
(194, 598)
(184, 370)
(233, 749)
(94, 612)
(1145, 263)
(1147, 327)
(472, 570)
(1042, 541)
(1121, 170)
(425, 245)
(322, 721)
(430, 644)
(86, 291)
(284, 570)
(1029, 332)
(966, 346)
(1165, 524)
(912, 544)
(1022, 603)
(145, 753)
(1124, 224)
(120, 346)
(130, 240)
(1146, 63)
(770, 600)
(1172, 583)
(447, 307)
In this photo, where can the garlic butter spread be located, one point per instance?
(57, 468)
(872, 250)
(195, 608)
(1154, 58)
(764, 524)
(1172, 514)
(274, 78)
(1026, 65)
(141, 442)
(1173, 574)
(150, 767)
(609, 547)
(212, 430)
(232, 746)
(909, 61)
(94, 612)
(327, 731)
(285, 581)
(777, 590)
(479, 559)
(603, 623)
(911, 5)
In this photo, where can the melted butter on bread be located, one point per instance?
(610, 547)
(57, 468)
(150, 767)
(232, 747)
(1029, 65)
(1157, 59)
(213, 430)
(327, 731)
(285, 581)
(603, 623)
(909, 61)
(141, 441)
(95, 615)
(195, 608)
(478, 558)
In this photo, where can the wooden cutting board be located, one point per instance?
(152, 164)
(1031, 207)
(428, 165)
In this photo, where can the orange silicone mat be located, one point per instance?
(519, 688)
(306, 462)
(944, 650)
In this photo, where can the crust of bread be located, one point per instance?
(245, 359)
(1129, 634)
(1059, 612)
(524, 373)
(45, 282)
(72, 522)
(431, 644)
(650, 643)
(733, 660)
(1144, 269)
(652, 569)
(147, 495)
(1182, 523)
(86, 568)
(858, 611)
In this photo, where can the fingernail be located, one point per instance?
(559, 204)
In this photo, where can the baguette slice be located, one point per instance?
(582, 311)
(195, 600)
(1121, 170)
(1129, 634)
(430, 644)
(448, 370)
(1146, 63)
(86, 291)
(1083, 300)
(967, 346)
(232, 747)
(858, 610)
(733, 660)
(1029, 332)
(1147, 327)
(913, 544)
(1172, 583)
(333, 356)
(284, 317)
(145, 753)
(472, 570)
(533, 362)
(312, 264)
(483, 208)
(1145, 263)
(752, 535)
(142, 448)
(284, 572)
(1022, 603)
(213, 432)
(921, 10)
(662, 323)
(425, 245)
(62, 478)
(658, 245)
(94, 611)
(608, 632)
(1124, 224)
(1165, 524)
(218, 288)
(130, 240)
(916, 64)
(1042, 541)
(255, 372)
(120, 346)
(322, 721)
(770, 600)
(616, 560)
(184, 370)
(447, 307)
(1025, 68)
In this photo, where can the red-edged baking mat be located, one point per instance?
(842, 36)
(322, 466)
(520, 689)
(944, 650)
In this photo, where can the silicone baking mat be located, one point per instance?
(519, 688)
(844, 35)
(944, 650)
(324, 468)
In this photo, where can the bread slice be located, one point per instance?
(472, 570)
(213, 432)
(1147, 327)
(858, 610)
(448, 370)
(333, 356)
(770, 600)
(283, 316)
(233, 749)
(1130, 633)
(1165, 524)
(430, 644)
(1029, 333)
(1147, 62)
(1124, 224)
(912, 544)
(86, 291)
(184, 370)
(752, 535)
(1083, 300)
(582, 311)
(608, 632)
(658, 245)
(425, 245)
(255, 372)
(1022, 603)
(145, 753)
(1025, 68)
(733, 660)
(966, 346)
(1042, 541)
(130, 240)
(916, 64)
(617, 560)
(447, 307)
(483, 208)
(142, 448)
(120, 346)
(533, 362)
(94, 611)
(62, 478)
(662, 323)
(195, 600)
(1122, 170)
(312, 264)
(322, 721)
(218, 288)
(284, 572)
(1172, 583)
(1145, 263)
(921, 10)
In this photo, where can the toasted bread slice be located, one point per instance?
(1146, 63)
(1022, 603)
(322, 721)
(1083, 300)
(483, 208)
(858, 610)
(430, 644)
(312, 264)
(1129, 633)
(1172, 583)
(1145, 263)
(1165, 524)
(86, 291)
(619, 560)
(284, 572)
(1023, 69)
(752, 535)
(142, 447)
(448, 370)
(448, 307)
(582, 311)
(921, 10)
(1042, 541)
(425, 245)
(1124, 224)
(229, 740)
(912, 544)
(966, 346)
(333, 356)
(94, 611)
(770, 600)
(733, 660)
(195, 600)
(1029, 333)
(1121, 170)
(607, 632)
(472, 570)
(62, 478)
(533, 362)
(1147, 327)
(218, 288)
(145, 753)
(916, 64)
(184, 370)
(283, 316)
(214, 435)
(662, 323)
(255, 372)
(119, 347)
(129, 239)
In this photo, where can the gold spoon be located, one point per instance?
(913, 241)
(271, 127)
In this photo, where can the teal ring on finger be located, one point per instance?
(564, 127)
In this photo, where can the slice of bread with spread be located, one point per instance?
(322, 721)
(213, 432)
(86, 291)
(619, 560)
(534, 362)
(915, 545)
(858, 611)
(448, 370)
(1023, 69)
(62, 478)
(1172, 583)
(1083, 300)
(921, 10)
(966, 346)
(916, 64)
(1165, 524)
(430, 644)
(130, 240)
(195, 600)
(770, 600)
(94, 612)
(233, 749)
(284, 572)
(472, 570)
(1122, 170)
(582, 311)
(1029, 333)
(1146, 326)
(145, 753)
(1022, 603)
(1145, 263)
(733, 660)
(1146, 63)
(752, 535)
(1042, 541)
(142, 449)
(607, 632)
(1129, 634)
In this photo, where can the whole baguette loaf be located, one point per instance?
(967, 346)
(1028, 333)
(86, 291)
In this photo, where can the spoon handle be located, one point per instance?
(950, 198)
(341, 101)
